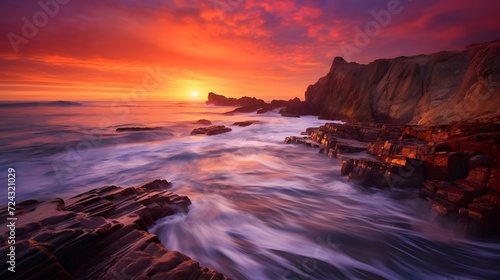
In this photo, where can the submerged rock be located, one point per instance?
(204, 122)
(245, 123)
(100, 234)
(211, 130)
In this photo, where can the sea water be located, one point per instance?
(261, 209)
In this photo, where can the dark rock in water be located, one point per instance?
(297, 107)
(100, 234)
(248, 109)
(264, 110)
(122, 129)
(245, 123)
(221, 100)
(279, 103)
(284, 113)
(204, 122)
(211, 130)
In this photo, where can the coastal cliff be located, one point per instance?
(425, 89)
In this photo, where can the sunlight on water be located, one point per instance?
(261, 209)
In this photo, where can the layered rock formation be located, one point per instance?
(426, 89)
(455, 166)
(100, 234)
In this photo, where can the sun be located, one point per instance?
(194, 94)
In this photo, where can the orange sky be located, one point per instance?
(169, 49)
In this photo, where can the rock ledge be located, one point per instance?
(100, 234)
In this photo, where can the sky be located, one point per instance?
(182, 49)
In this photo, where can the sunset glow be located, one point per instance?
(266, 49)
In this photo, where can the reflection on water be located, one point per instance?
(261, 209)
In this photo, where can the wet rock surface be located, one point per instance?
(100, 234)
(211, 130)
(455, 166)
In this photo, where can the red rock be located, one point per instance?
(376, 148)
(461, 195)
(78, 239)
(447, 166)
(367, 93)
(444, 207)
(479, 176)
(347, 167)
(494, 180)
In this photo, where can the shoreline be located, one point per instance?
(99, 234)
(56, 235)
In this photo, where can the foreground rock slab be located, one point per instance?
(100, 234)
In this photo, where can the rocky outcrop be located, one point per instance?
(211, 130)
(426, 89)
(221, 100)
(456, 166)
(100, 234)
(291, 108)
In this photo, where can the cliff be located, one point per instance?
(425, 89)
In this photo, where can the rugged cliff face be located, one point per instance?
(425, 89)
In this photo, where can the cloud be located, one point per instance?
(258, 48)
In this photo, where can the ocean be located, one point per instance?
(261, 209)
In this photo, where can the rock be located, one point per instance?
(100, 234)
(452, 165)
(283, 112)
(279, 103)
(245, 123)
(446, 166)
(221, 100)
(481, 161)
(250, 109)
(204, 122)
(264, 110)
(211, 130)
(423, 89)
(296, 107)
